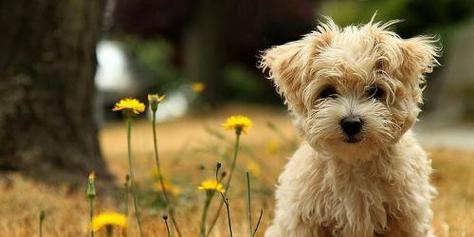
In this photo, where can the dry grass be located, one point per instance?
(185, 146)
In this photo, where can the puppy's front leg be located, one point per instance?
(288, 221)
(293, 227)
(300, 229)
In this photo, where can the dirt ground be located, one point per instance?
(190, 148)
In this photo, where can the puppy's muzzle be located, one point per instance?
(352, 126)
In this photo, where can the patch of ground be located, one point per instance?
(189, 148)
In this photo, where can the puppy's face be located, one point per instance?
(353, 91)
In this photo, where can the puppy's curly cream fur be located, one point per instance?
(371, 183)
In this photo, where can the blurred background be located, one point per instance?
(166, 45)
(63, 65)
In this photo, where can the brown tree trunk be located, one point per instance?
(205, 47)
(47, 66)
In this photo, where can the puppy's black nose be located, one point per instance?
(351, 125)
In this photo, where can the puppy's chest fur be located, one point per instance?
(345, 198)
(347, 195)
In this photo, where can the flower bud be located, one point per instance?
(91, 186)
(154, 100)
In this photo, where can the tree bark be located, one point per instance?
(205, 46)
(47, 67)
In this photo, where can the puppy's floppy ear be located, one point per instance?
(288, 65)
(419, 56)
(285, 64)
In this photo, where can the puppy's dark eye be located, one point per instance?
(328, 92)
(375, 92)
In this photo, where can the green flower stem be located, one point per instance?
(127, 191)
(227, 206)
(132, 176)
(41, 219)
(258, 223)
(91, 212)
(167, 227)
(160, 177)
(249, 205)
(91, 193)
(109, 229)
(126, 200)
(234, 161)
(209, 196)
(229, 179)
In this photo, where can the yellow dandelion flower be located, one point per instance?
(211, 184)
(154, 100)
(109, 219)
(272, 147)
(170, 188)
(129, 104)
(198, 87)
(238, 123)
(254, 169)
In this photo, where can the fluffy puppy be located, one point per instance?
(354, 94)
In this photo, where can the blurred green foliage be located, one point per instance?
(242, 83)
(350, 12)
(437, 17)
(152, 58)
(155, 58)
